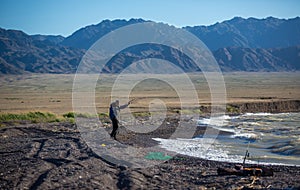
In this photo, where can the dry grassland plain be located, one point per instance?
(53, 92)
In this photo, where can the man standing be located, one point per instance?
(114, 110)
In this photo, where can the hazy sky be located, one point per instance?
(66, 16)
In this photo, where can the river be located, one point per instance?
(269, 139)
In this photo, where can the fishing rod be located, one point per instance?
(130, 101)
(247, 154)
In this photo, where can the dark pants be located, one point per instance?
(115, 127)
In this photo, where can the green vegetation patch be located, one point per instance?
(232, 109)
(69, 115)
(35, 117)
(141, 114)
(84, 115)
(46, 117)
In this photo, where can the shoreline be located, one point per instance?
(170, 127)
(43, 156)
(276, 106)
(53, 155)
(263, 106)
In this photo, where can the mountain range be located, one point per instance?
(239, 44)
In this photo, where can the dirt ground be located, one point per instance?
(53, 156)
(53, 93)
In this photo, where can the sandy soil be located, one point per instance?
(53, 93)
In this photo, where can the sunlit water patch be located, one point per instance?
(270, 138)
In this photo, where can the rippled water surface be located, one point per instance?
(269, 138)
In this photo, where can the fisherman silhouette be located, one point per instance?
(114, 110)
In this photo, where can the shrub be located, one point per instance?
(34, 117)
(69, 115)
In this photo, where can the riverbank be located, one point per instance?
(259, 106)
(276, 106)
(53, 156)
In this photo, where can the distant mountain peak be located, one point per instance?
(85, 37)
(251, 32)
(239, 44)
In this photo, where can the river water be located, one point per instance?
(269, 138)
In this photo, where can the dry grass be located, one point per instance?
(53, 93)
